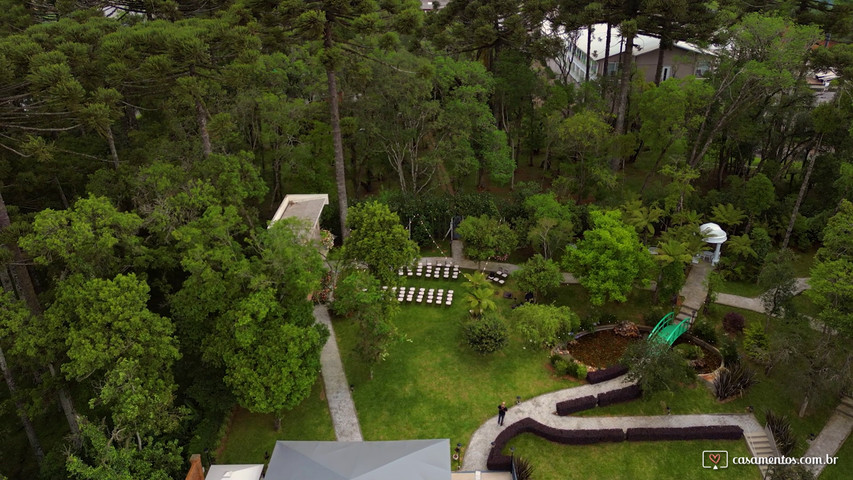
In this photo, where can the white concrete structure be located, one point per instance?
(234, 472)
(713, 234)
(307, 207)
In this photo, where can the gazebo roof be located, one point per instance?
(712, 233)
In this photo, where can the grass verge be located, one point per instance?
(629, 460)
(252, 434)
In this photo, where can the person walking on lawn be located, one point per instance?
(501, 413)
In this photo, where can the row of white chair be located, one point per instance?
(432, 295)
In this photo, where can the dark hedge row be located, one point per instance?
(569, 407)
(605, 374)
(621, 395)
(499, 461)
(715, 432)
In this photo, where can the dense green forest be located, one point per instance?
(144, 146)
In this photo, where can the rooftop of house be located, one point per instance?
(642, 43)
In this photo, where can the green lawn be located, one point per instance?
(440, 248)
(842, 469)
(743, 289)
(629, 460)
(804, 305)
(802, 264)
(434, 386)
(252, 434)
(576, 297)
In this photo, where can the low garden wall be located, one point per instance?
(499, 461)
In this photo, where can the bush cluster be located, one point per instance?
(713, 432)
(755, 341)
(569, 407)
(733, 380)
(780, 426)
(703, 330)
(733, 323)
(618, 396)
(729, 352)
(605, 374)
(567, 366)
(653, 316)
(688, 351)
(486, 335)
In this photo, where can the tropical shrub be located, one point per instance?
(733, 380)
(688, 352)
(782, 432)
(755, 342)
(545, 325)
(703, 330)
(733, 323)
(728, 350)
(486, 335)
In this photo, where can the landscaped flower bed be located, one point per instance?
(600, 349)
(604, 348)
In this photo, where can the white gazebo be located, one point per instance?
(713, 234)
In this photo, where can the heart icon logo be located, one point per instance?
(714, 457)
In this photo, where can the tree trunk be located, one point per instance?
(588, 50)
(606, 60)
(201, 116)
(24, 284)
(22, 413)
(340, 173)
(18, 268)
(278, 423)
(112, 142)
(803, 188)
(67, 408)
(804, 406)
(659, 68)
(624, 90)
(61, 193)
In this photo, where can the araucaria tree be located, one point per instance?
(610, 259)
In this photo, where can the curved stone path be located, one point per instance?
(543, 410)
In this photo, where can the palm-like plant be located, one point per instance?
(728, 215)
(480, 296)
(641, 217)
(672, 250)
(480, 301)
(741, 246)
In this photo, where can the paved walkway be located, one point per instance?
(542, 409)
(695, 288)
(830, 439)
(754, 303)
(341, 406)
